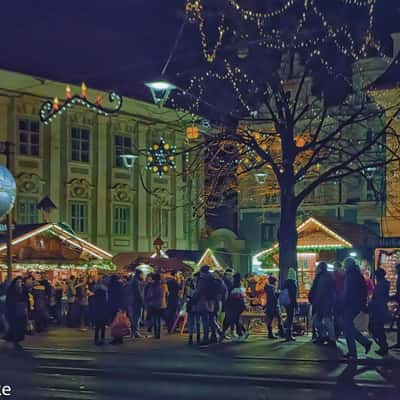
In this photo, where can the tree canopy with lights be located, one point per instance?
(288, 87)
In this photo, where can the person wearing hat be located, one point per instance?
(291, 286)
(271, 307)
(379, 312)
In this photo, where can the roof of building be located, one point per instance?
(390, 78)
(24, 232)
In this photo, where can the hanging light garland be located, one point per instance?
(161, 158)
(49, 111)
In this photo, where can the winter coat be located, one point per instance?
(99, 305)
(377, 307)
(173, 292)
(17, 303)
(201, 298)
(236, 301)
(228, 280)
(322, 295)
(291, 286)
(137, 287)
(338, 279)
(39, 296)
(272, 298)
(154, 296)
(355, 291)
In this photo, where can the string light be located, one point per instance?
(161, 158)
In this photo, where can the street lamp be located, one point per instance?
(261, 177)
(160, 90)
(128, 160)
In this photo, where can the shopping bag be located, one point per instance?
(284, 299)
(121, 325)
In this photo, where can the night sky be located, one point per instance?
(114, 45)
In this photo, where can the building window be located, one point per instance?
(122, 145)
(121, 221)
(80, 144)
(267, 232)
(164, 223)
(79, 217)
(27, 211)
(28, 137)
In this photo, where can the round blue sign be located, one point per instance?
(8, 191)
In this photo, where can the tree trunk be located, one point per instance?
(287, 234)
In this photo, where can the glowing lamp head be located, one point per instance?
(128, 160)
(160, 90)
(261, 177)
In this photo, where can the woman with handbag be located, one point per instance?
(16, 311)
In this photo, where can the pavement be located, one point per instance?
(64, 364)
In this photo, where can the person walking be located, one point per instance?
(338, 280)
(71, 299)
(82, 298)
(115, 297)
(193, 321)
(322, 297)
(204, 300)
(17, 303)
(289, 288)
(355, 301)
(172, 300)
(40, 309)
(379, 312)
(155, 301)
(271, 308)
(135, 309)
(237, 304)
(99, 312)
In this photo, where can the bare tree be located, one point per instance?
(276, 123)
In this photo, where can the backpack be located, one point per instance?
(212, 289)
(284, 299)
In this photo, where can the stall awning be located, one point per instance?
(24, 237)
(314, 235)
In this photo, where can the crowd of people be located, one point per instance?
(210, 304)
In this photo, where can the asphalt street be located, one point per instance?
(64, 364)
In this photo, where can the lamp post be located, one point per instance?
(5, 148)
(261, 177)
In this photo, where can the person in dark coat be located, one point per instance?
(338, 279)
(322, 297)
(154, 302)
(99, 312)
(115, 297)
(204, 299)
(379, 312)
(40, 315)
(271, 307)
(137, 288)
(172, 300)
(17, 303)
(291, 286)
(355, 301)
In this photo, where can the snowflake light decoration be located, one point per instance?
(161, 158)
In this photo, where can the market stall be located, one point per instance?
(54, 249)
(388, 258)
(316, 242)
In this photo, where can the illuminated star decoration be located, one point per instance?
(161, 158)
(51, 110)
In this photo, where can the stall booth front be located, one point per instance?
(318, 241)
(54, 249)
(388, 258)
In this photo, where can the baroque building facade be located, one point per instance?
(353, 199)
(75, 161)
